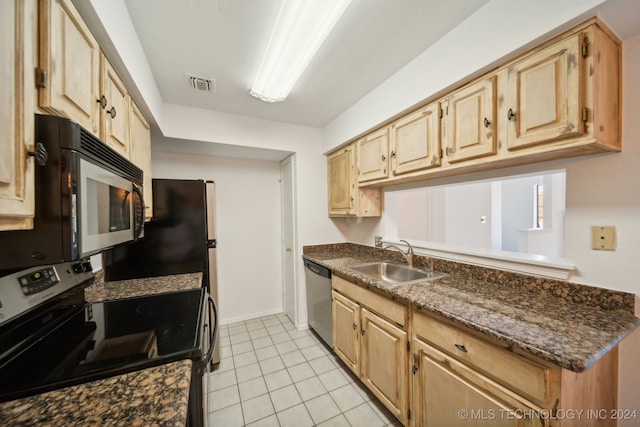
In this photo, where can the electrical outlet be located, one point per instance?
(378, 241)
(603, 238)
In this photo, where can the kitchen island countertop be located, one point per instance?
(556, 329)
(156, 396)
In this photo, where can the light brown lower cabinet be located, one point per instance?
(461, 379)
(448, 393)
(383, 366)
(371, 339)
(346, 321)
(430, 372)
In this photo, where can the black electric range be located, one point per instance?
(65, 341)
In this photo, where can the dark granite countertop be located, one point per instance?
(138, 287)
(156, 396)
(557, 322)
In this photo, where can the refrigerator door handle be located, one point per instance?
(214, 330)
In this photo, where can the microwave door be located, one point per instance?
(106, 214)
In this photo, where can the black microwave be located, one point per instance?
(87, 198)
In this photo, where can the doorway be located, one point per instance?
(289, 251)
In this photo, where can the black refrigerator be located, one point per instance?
(180, 238)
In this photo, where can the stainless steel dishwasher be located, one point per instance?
(319, 299)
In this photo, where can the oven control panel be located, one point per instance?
(21, 291)
(38, 281)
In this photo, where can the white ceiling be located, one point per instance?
(225, 40)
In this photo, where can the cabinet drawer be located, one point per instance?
(524, 376)
(382, 305)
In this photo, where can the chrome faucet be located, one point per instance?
(407, 256)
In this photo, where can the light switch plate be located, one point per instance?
(603, 238)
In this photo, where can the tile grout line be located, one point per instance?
(343, 370)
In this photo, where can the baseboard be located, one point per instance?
(230, 320)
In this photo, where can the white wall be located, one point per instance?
(517, 209)
(314, 226)
(248, 229)
(464, 205)
(411, 214)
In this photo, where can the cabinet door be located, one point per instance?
(544, 97)
(141, 154)
(471, 121)
(384, 362)
(114, 117)
(69, 61)
(446, 393)
(373, 161)
(17, 48)
(346, 326)
(341, 182)
(415, 141)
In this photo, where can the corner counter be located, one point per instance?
(569, 325)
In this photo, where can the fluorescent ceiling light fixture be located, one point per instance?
(301, 28)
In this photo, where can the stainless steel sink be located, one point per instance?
(396, 274)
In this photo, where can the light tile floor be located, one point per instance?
(271, 374)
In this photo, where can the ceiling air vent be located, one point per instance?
(204, 84)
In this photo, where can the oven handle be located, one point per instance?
(214, 330)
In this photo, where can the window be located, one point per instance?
(496, 214)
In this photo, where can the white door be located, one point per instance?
(288, 238)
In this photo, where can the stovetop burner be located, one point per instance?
(103, 339)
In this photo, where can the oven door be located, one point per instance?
(198, 401)
(111, 208)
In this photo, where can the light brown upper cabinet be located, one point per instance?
(561, 99)
(141, 153)
(544, 95)
(69, 65)
(17, 62)
(114, 110)
(341, 181)
(568, 90)
(470, 121)
(372, 156)
(415, 141)
(344, 197)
